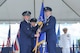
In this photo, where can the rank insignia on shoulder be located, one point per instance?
(48, 20)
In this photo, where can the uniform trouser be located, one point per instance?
(25, 49)
(66, 50)
(51, 47)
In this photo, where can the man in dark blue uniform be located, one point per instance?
(26, 34)
(49, 28)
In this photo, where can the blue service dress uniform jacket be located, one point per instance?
(34, 29)
(26, 36)
(49, 28)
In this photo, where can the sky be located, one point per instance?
(73, 30)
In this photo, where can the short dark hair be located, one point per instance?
(33, 20)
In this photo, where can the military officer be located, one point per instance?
(34, 27)
(26, 33)
(65, 41)
(49, 28)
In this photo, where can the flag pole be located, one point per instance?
(9, 33)
(36, 47)
(36, 50)
(34, 9)
(43, 1)
(9, 23)
(44, 43)
(73, 46)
